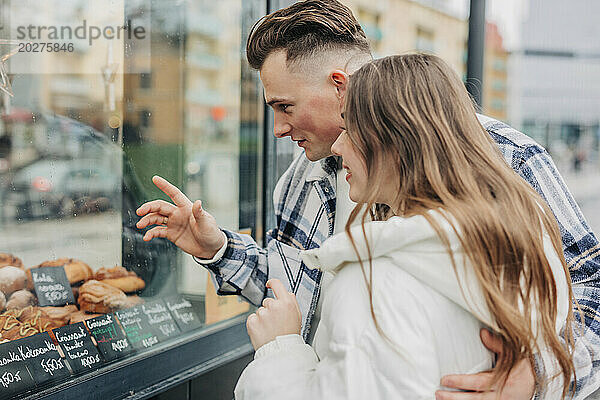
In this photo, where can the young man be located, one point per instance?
(305, 54)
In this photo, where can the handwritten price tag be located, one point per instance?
(52, 286)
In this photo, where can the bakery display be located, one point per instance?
(21, 299)
(120, 278)
(20, 323)
(10, 260)
(96, 293)
(11, 280)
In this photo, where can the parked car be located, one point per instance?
(61, 188)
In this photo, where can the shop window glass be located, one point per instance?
(81, 135)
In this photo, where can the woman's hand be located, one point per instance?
(277, 317)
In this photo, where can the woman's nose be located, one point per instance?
(336, 147)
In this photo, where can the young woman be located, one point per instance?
(452, 241)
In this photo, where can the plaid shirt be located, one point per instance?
(305, 204)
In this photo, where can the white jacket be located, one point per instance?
(418, 303)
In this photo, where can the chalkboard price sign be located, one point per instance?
(137, 328)
(52, 286)
(42, 358)
(77, 345)
(183, 313)
(160, 319)
(109, 336)
(14, 375)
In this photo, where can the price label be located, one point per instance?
(183, 313)
(110, 338)
(52, 286)
(76, 343)
(137, 328)
(160, 319)
(14, 375)
(42, 358)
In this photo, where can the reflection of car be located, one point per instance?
(49, 188)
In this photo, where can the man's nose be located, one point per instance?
(281, 128)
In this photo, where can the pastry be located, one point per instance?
(21, 299)
(11, 280)
(79, 316)
(8, 259)
(58, 315)
(120, 278)
(98, 297)
(77, 271)
(11, 328)
(19, 331)
(36, 317)
(8, 321)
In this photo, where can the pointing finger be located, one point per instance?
(170, 190)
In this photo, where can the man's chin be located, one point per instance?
(316, 155)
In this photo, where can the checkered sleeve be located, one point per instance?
(582, 253)
(242, 270)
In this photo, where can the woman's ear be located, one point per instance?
(339, 78)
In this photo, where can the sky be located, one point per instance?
(507, 14)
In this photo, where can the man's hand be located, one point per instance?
(184, 223)
(277, 317)
(520, 383)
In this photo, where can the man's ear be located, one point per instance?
(339, 78)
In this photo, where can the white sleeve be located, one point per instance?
(289, 369)
(218, 255)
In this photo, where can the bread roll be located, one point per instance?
(8, 259)
(21, 299)
(11, 280)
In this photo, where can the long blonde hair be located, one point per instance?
(413, 114)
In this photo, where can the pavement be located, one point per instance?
(94, 239)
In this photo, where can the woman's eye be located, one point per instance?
(283, 107)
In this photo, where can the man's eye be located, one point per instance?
(283, 107)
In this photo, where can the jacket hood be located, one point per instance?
(413, 245)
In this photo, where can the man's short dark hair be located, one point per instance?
(303, 30)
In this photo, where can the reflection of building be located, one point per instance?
(400, 26)
(495, 74)
(153, 100)
(555, 80)
(63, 82)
